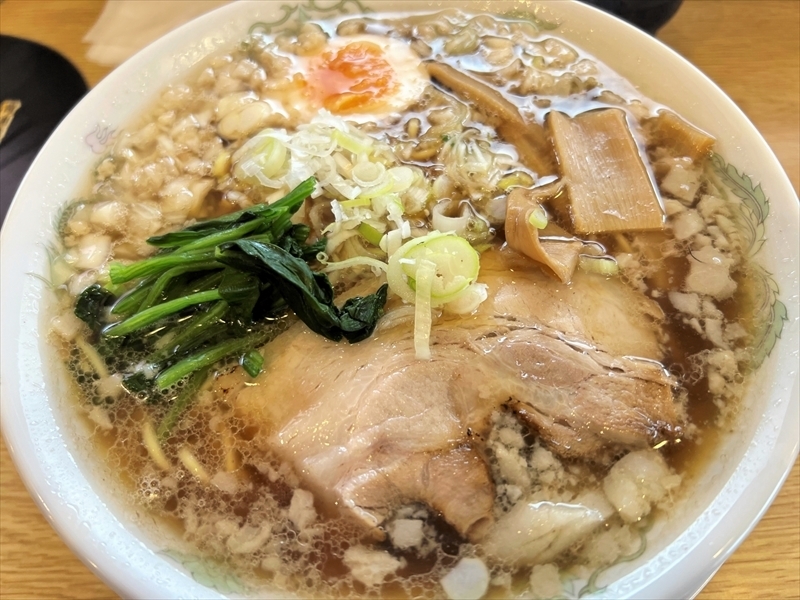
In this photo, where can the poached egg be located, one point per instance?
(363, 77)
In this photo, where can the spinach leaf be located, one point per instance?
(294, 242)
(217, 290)
(252, 362)
(307, 293)
(359, 316)
(181, 402)
(241, 291)
(266, 213)
(137, 383)
(91, 305)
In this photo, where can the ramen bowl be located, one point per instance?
(122, 544)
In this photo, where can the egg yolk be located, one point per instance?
(354, 79)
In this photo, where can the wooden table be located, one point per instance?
(749, 47)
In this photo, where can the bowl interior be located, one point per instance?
(117, 540)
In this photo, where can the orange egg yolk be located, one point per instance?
(357, 78)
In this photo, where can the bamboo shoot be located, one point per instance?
(609, 186)
(681, 138)
(529, 138)
(551, 245)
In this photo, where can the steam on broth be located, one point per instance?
(542, 291)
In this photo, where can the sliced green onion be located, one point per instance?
(391, 242)
(425, 276)
(456, 263)
(390, 203)
(467, 302)
(442, 222)
(402, 178)
(367, 174)
(538, 217)
(351, 143)
(355, 203)
(601, 265)
(381, 188)
(369, 233)
(260, 159)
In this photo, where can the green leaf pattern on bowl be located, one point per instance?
(208, 573)
(294, 15)
(753, 205)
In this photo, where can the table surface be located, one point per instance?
(750, 48)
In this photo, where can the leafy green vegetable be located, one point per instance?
(129, 302)
(181, 403)
(289, 204)
(137, 383)
(160, 285)
(295, 243)
(241, 290)
(252, 362)
(160, 311)
(157, 265)
(192, 333)
(226, 235)
(91, 305)
(359, 316)
(307, 293)
(215, 292)
(207, 358)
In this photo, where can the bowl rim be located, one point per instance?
(702, 560)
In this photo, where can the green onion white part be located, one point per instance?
(438, 269)
(457, 264)
(601, 265)
(426, 275)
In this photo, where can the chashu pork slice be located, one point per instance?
(368, 427)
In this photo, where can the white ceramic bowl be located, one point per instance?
(116, 543)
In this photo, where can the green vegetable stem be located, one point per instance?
(218, 290)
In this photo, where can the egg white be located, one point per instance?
(411, 76)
